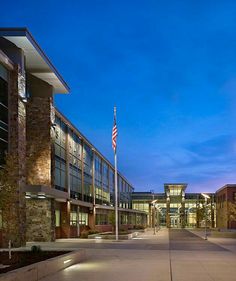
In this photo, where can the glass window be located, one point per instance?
(83, 218)
(60, 174)
(3, 92)
(73, 218)
(58, 218)
(3, 117)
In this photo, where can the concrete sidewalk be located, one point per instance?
(123, 264)
(170, 255)
(227, 243)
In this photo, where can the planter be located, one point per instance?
(39, 270)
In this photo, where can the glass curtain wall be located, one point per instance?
(105, 184)
(60, 155)
(112, 187)
(75, 155)
(88, 173)
(98, 179)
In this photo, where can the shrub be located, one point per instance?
(84, 234)
(36, 249)
(92, 231)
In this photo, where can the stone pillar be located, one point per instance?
(38, 128)
(15, 231)
(40, 217)
(39, 164)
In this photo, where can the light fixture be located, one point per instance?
(41, 195)
(205, 196)
(66, 261)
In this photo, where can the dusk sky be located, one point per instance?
(168, 66)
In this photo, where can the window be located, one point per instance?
(57, 218)
(60, 174)
(83, 218)
(73, 218)
(3, 114)
(101, 219)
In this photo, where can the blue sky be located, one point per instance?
(169, 66)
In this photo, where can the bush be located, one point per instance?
(139, 227)
(84, 234)
(92, 231)
(36, 249)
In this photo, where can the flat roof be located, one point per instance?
(37, 63)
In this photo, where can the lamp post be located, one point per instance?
(205, 197)
(154, 216)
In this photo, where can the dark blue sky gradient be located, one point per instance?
(169, 66)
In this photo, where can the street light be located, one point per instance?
(154, 216)
(205, 197)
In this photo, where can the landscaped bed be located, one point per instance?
(23, 258)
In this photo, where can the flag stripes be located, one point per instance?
(114, 132)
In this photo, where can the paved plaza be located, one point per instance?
(175, 255)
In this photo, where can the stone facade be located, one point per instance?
(17, 150)
(39, 133)
(40, 220)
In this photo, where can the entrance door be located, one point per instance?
(174, 221)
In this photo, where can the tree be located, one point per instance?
(112, 220)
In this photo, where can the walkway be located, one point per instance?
(176, 256)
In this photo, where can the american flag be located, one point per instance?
(114, 132)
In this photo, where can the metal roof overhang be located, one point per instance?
(37, 63)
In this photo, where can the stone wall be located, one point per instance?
(40, 220)
(38, 126)
(15, 230)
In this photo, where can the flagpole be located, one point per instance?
(116, 189)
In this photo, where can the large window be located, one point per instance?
(83, 218)
(98, 179)
(88, 165)
(102, 218)
(75, 150)
(3, 114)
(57, 218)
(105, 185)
(74, 215)
(60, 155)
(60, 174)
(112, 186)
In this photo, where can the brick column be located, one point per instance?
(65, 220)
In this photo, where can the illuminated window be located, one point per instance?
(58, 218)
(73, 218)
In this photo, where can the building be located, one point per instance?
(176, 208)
(63, 183)
(226, 207)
